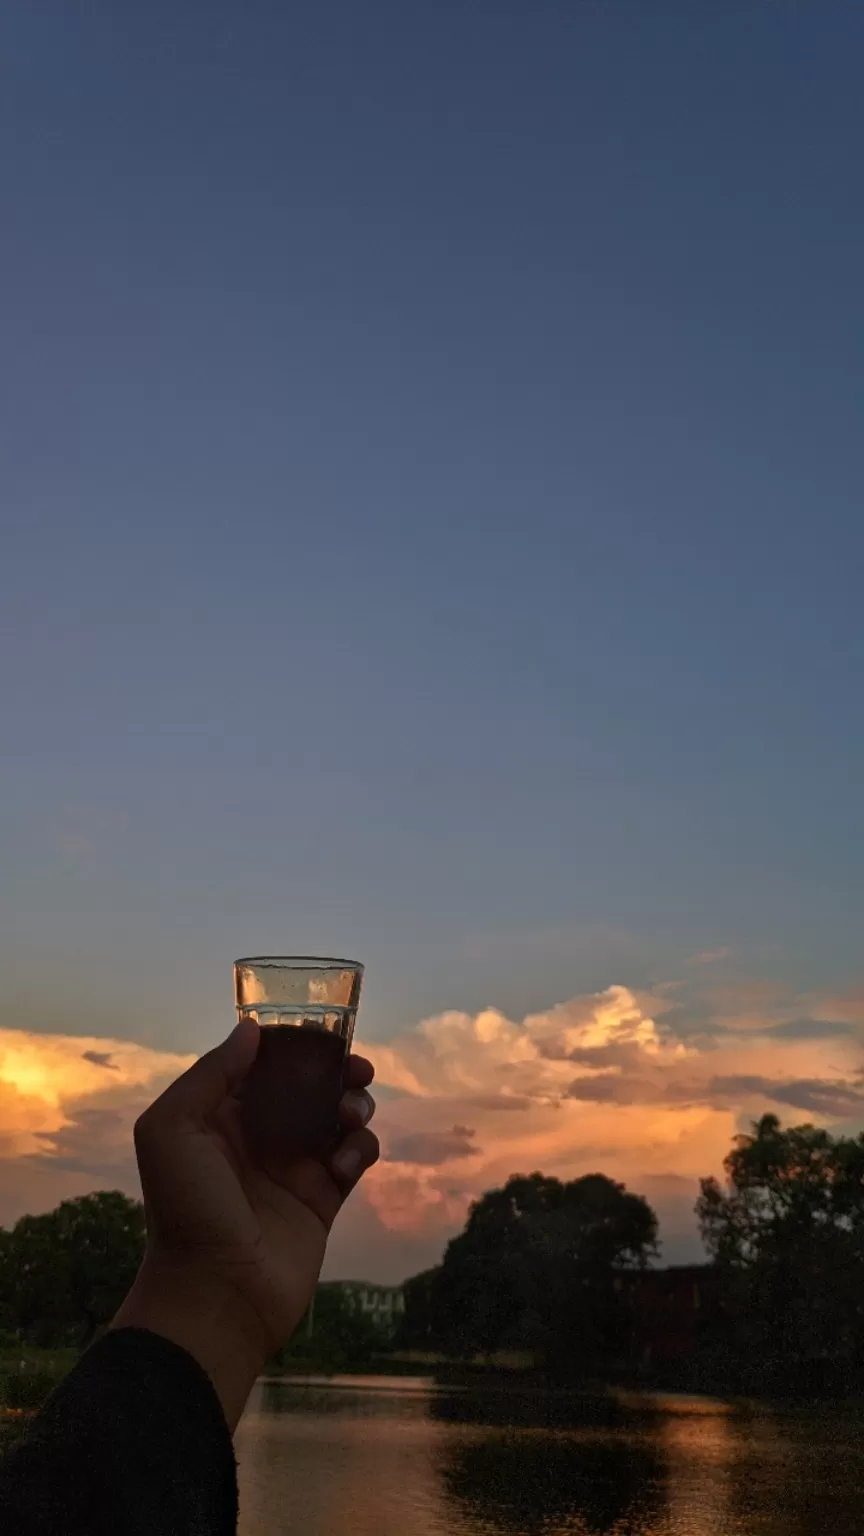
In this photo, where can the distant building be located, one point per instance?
(384, 1303)
(675, 1306)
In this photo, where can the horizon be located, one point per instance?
(432, 468)
(539, 1093)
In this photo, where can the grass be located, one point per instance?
(26, 1357)
(27, 1376)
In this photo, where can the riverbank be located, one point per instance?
(27, 1377)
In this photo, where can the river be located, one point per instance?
(398, 1457)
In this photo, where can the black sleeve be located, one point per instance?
(133, 1443)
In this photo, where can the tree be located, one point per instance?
(64, 1274)
(536, 1268)
(787, 1236)
(419, 1328)
(337, 1336)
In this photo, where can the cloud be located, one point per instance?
(67, 1107)
(840, 1007)
(497, 1101)
(488, 1055)
(100, 1059)
(825, 1098)
(96, 1142)
(405, 1202)
(616, 1081)
(612, 1088)
(433, 1147)
(709, 956)
(648, 1087)
(66, 1128)
(362, 1247)
(811, 1029)
(756, 1004)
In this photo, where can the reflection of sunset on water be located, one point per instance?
(377, 1477)
(381, 1461)
(700, 1448)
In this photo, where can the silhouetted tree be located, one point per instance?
(65, 1273)
(420, 1327)
(787, 1235)
(538, 1266)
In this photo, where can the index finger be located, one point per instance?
(358, 1072)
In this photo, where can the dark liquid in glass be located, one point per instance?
(290, 1099)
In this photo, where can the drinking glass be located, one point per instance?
(306, 1008)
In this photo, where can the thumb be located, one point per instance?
(212, 1078)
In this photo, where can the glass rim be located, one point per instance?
(301, 962)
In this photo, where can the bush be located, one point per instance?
(26, 1389)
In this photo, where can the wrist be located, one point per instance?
(204, 1315)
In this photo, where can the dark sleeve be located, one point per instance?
(133, 1443)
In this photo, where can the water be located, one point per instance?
(396, 1457)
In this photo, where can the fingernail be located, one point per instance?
(347, 1163)
(359, 1104)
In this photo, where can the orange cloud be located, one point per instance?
(613, 1081)
(840, 1007)
(600, 1082)
(67, 1105)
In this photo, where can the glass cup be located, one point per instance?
(306, 1009)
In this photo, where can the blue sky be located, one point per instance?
(432, 462)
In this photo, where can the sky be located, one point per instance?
(431, 462)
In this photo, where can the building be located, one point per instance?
(674, 1308)
(385, 1304)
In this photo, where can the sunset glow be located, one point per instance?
(617, 1081)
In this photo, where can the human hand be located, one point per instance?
(234, 1248)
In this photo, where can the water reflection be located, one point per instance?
(400, 1459)
(795, 1474)
(535, 1409)
(528, 1482)
(324, 1460)
(699, 1450)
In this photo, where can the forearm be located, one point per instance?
(204, 1316)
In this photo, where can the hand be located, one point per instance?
(233, 1248)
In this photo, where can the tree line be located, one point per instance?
(554, 1268)
(64, 1274)
(549, 1267)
